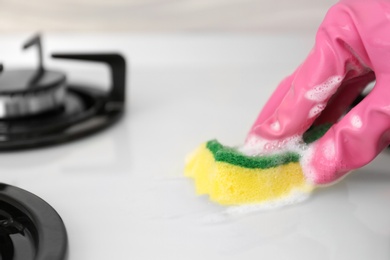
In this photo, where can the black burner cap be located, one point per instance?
(29, 227)
(28, 92)
(25, 81)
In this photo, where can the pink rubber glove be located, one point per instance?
(352, 49)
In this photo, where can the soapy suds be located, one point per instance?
(257, 146)
(305, 162)
(293, 197)
(324, 91)
(316, 110)
(275, 126)
(329, 150)
(356, 121)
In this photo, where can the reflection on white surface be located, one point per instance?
(122, 195)
(328, 226)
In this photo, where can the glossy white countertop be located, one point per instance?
(122, 194)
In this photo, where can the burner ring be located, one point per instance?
(23, 213)
(25, 92)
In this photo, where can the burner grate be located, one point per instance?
(78, 112)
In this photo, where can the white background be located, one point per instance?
(163, 15)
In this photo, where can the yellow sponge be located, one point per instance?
(232, 178)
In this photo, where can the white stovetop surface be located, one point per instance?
(121, 192)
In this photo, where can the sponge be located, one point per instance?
(230, 177)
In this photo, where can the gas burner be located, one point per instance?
(39, 107)
(29, 227)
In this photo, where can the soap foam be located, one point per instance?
(322, 92)
(329, 150)
(257, 146)
(356, 121)
(317, 109)
(305, 162)
(275, 126)
(294, 197)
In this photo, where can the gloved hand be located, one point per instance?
(352, 49)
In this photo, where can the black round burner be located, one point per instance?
(29, 227)
(84, 110)
(38, 107)
(28, 81)
(27, 92)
